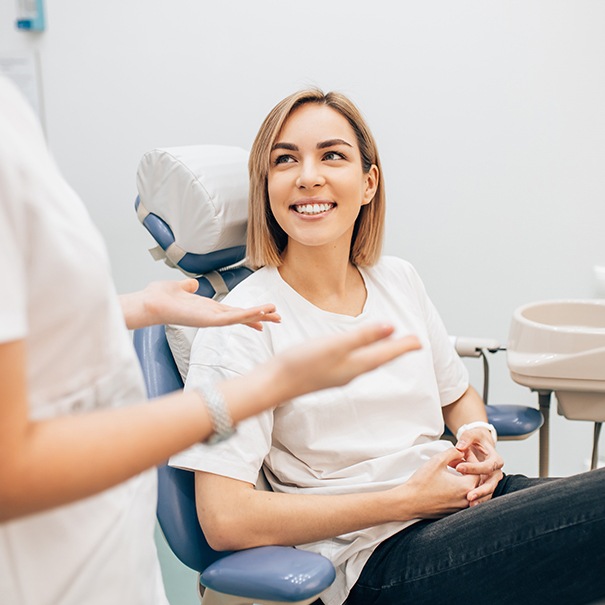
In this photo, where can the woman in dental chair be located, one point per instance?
(77, 503)
(360, 473)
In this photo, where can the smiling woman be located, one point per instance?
(360, 473)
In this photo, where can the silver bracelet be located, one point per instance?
(215, 403)
(478, 424)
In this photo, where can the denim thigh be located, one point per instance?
(536, 541)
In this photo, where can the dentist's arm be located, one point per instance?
(47, 463)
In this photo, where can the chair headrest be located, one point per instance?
(194, 202)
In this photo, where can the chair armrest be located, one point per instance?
(271, 573)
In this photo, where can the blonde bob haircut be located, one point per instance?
(266, 239)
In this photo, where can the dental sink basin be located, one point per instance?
(559, 346)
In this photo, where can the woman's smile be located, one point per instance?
(312, 207)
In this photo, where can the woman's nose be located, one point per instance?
(310, 175)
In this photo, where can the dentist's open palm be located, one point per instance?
(336, 360)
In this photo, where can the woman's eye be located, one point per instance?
(334, 155)
(283, 159)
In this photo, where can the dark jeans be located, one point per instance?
(537, 541)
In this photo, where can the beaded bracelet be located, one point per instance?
(215, 403)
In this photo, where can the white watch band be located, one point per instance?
(222, 423)
(478, 424)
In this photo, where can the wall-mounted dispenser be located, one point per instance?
(30, 15)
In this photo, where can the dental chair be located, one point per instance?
(208, 185)
(193, 202)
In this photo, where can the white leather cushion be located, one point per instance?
(200, 191)
(180, 340)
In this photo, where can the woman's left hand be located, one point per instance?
(482, 459)
(175, 302)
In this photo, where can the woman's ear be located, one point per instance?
(372, 178)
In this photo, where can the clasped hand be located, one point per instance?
(457, 478)
(480, 459)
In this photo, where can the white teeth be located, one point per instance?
(312, 208)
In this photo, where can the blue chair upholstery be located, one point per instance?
(269, 574)
(190, 263)
(514, 421)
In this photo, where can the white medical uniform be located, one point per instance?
(57, 295)
(369, 435)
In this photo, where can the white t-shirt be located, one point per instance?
(369, 435)
(57, 295)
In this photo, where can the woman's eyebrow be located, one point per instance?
(320, 145)
(332, 143)
(288, 146)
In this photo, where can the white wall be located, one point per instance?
(489, 117)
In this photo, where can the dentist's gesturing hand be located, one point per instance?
(175, 302)
(315, 364)
(336, 360)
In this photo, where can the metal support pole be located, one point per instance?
(595, 446)
(544, 401)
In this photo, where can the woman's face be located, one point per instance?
(316, 183)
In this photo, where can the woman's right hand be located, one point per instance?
(436, 490)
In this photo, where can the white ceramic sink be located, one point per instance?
(559, 346)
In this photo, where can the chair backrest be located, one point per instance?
(193, 201)
(176, 511)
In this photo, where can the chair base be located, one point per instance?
(211, 597)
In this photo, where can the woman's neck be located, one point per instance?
(326, 278)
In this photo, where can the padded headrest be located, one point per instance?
(194, 202)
